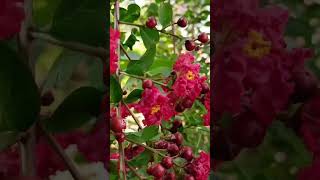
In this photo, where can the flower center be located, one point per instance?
(190, 75)
(155, 109)
(257, 47)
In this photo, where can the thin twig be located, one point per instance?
(125, 52)
(143, 78)
(161, 31)
(76, 46)
(134, 171)
(150, 149)
(58, 149)
(132, 114)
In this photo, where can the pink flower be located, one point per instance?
(11, 17)
(200, 167)
(154, 106)
(188, 82)
(114, 42)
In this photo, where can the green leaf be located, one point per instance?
(137, 67)
(152, 10)
(44, 11)
(77, 109)
(141, 160)
(130, 15)
(134, 96)
(62, 69)
(7, 139)
(83, 21)
(19, 96)
(150, 132)
(115, 90)
(149, 36)
(165, 14)
(132, 39)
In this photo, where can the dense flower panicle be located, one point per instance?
(11, 17)
(200, 167)
(114, 41)
(188, 81)
(154, 106)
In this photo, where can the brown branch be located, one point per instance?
(76, 46)
(58, 149)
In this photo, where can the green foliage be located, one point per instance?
(20, 102)
(83, 21)
(165, 14)
(115, 90)
(278, 157)
(76, 110)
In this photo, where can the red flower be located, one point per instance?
(200, 167)
(154, 106)
(11, 17)
(114, 42)
(188, 82)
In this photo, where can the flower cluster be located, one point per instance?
(187, 86)
(11, 17)
(254, 71)
(114, 41)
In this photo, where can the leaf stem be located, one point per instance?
(125, 52)
(58, 149)
(134, 171)
(143, 78)
(76, 46)
(161, 31)
(150, 149)
(132, 114)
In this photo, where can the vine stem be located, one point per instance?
(161, 31)
(150, 149)
(143, 78)
(76, 46)
(58, 149)
(132, 114)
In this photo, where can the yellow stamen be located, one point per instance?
(155, 109)
(257, 47)
(190, 75)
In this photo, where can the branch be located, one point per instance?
(161, 31)
(150, 149)
(76, 46)
(143, 78)
(134, 171)
(132, 114)
(58, 149)
(125, 52)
